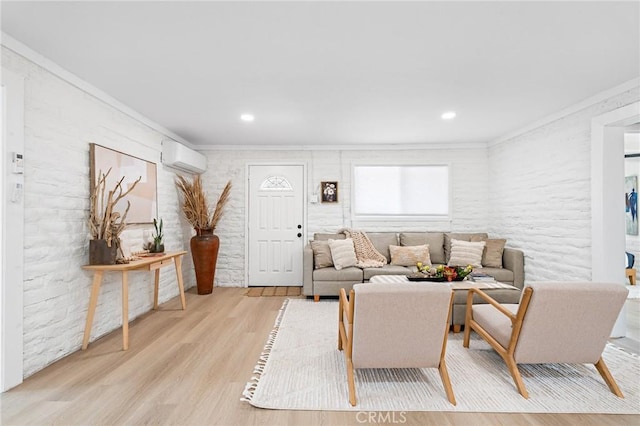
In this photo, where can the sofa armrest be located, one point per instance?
(513, 260)
(307, 268)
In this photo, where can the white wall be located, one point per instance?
(540, 197)
(469, 180)
(60, 122)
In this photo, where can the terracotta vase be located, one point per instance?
(204, 251)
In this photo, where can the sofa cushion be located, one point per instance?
(332, 274)
(382, 240)
(410, 255)
(434, 239)
(325, 237)
(459, 236)
(466, 253)
(321, 254)
(386, 270)
(343, 253)
(500, 274)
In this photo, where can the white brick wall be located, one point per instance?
(470, 187)
(540, 193)
(60, 122)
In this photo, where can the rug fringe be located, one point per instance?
(252, 384)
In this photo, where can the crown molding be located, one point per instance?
(599, 97)
(373, 147)
(42, 61)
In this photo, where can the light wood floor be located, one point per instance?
(190, 368)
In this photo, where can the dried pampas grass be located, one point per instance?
(195, 206)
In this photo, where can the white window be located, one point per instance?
(401, 191)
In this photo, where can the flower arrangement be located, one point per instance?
(450, 273)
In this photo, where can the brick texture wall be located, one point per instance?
(540, 193)
(60, 122)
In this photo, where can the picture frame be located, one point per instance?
(329, 191)
(143, 198)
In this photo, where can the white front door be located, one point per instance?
(276, 215)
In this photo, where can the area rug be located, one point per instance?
(302, 369)
(634, 291)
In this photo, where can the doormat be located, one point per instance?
(274, 291)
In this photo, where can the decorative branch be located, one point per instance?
(104, 222)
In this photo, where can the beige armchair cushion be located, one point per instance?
(568, 322)
(400, 326)
(555, 322)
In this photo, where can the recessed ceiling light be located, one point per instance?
(448, 115)
(247, 117)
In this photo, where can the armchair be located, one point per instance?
(395, 326)
(555, 322)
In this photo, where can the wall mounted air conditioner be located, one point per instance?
(180, 157)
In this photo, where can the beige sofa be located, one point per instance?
(328, 281)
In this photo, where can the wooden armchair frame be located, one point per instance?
(345, 343)
(508, 353)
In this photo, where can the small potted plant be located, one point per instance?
(157, 246)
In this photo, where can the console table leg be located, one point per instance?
(156, 286)
(95, 290)
(178, 261)
(125, 310)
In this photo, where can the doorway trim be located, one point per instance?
(12, 238)
(607, 172)
(247, 194)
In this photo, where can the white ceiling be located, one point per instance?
(318, 73)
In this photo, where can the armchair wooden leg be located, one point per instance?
(316, 297)
(608, 378)
(467, 319)
(517, 378)
(444, 375)
(467, 334)
(352, 383)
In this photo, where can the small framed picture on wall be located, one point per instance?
(329, 192)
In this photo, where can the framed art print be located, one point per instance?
(329, 192)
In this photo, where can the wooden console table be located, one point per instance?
(150, 263)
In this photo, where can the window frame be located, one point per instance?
(402, 217)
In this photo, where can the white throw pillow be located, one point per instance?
(343, 253)
(465, 253)
(410, 255)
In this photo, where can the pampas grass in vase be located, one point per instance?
(205, 244)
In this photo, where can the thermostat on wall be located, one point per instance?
(18, 162)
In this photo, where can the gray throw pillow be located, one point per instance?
(321, 254)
